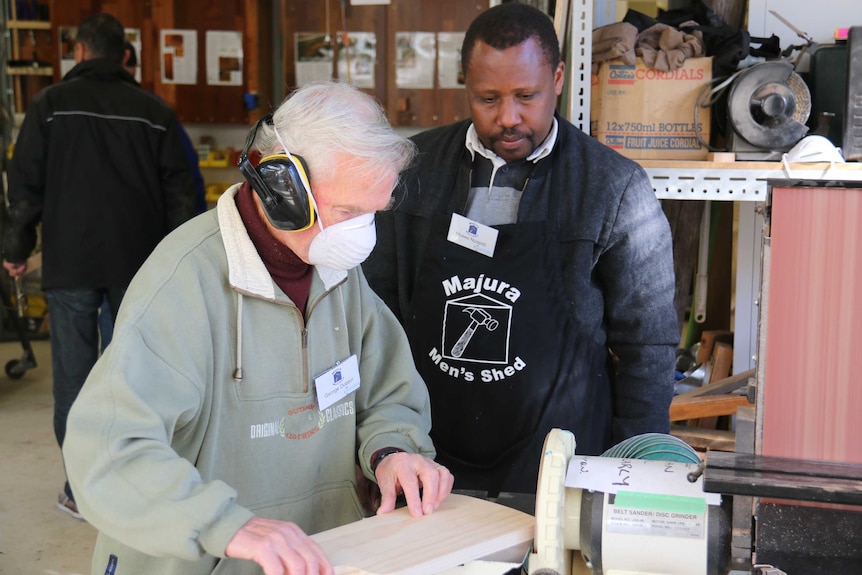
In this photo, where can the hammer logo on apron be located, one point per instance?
(476, 328)
(479, 317)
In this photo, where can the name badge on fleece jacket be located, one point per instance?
(337, 382)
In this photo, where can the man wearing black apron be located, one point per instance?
(521, 253)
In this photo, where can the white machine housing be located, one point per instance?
(622, 516)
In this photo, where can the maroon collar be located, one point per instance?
(288, 271)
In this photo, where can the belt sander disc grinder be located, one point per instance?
(639, 510)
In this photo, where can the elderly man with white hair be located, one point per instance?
(256, 386)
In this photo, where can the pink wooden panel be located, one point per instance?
(812, 395)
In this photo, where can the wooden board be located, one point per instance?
(708, 339)
(701, 439)
(726, 385)
(461, 530)
(683, 408)
(722, 361)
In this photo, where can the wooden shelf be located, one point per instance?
(30, 70)
(28, 25)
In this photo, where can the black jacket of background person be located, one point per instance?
(98, 161)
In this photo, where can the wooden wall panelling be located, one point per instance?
(427, 107)
(203, 103)
(148, 59)
(69, 13)
(138, 15)
(303, 16)
(371, 18)
(412, 107)
(405, 107)
(162, 18)
(199, 103)
(65, 13)
(259, 55)
(133, 14)
(326, 17)
(453, 102)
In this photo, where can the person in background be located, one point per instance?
(99, 164)
(252, 368)
(532, 268)
(130, 63)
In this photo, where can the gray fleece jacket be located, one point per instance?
(203, 411)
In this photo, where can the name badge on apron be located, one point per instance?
(337, 382)
(472, 235)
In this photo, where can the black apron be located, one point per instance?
(503, 358)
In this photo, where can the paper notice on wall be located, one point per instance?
(224, 58)
(414, 59)
(314, 57)
(179, 54)
(449, 73)
(357, 59)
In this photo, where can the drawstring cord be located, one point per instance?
(237, 374)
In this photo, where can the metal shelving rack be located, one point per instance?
(13, 76)
(13, 106)
(742, 182)
(6, 96)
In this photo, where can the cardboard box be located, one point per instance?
(648, 114)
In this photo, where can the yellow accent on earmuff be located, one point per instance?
(300, 169)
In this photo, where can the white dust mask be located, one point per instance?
(344, 245)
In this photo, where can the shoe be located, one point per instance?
(68, 505)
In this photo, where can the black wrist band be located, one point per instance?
(380, 454)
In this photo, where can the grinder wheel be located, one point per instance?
(768, 106)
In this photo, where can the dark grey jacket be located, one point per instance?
(100, 164)
(616, 246)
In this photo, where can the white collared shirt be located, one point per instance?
(502, 207)
(474, 145)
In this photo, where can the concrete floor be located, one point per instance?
(35, 537)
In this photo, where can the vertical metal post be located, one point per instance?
(578, 57)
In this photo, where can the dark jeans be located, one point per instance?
(75, 347)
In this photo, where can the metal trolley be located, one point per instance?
(16, 368)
